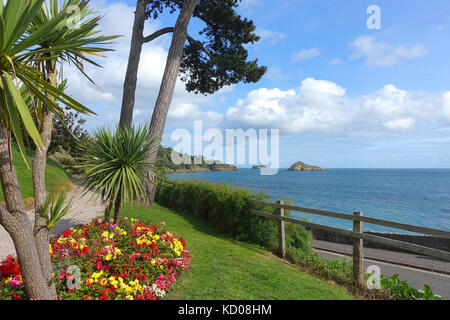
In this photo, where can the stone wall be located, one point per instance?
(426, 241)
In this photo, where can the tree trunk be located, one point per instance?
(108, 211)
(40, 192)
(168, 83)
(18, 226)
(129, 87)
(117, 208)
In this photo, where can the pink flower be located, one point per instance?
(14, 282)
(163, 223)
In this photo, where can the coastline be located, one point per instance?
(415, 196)
(201, 170)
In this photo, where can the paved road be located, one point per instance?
(406, 259)
(440, 283)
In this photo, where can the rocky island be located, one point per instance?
(259, 167)
(301, 166)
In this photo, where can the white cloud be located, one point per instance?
(336, 61)
(189, 111)
(446, 105)
(400, 124)
(323, 106)
(379, 53)
(273, 37)
(306, 54)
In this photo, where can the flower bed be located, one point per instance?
(131, 260)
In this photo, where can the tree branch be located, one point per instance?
(164, 31)
(200, 45)
(158, 33)
(5, 216)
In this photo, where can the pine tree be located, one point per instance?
(217, 59)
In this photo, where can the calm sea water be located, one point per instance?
(413, 196)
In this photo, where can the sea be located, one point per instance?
(413, 196)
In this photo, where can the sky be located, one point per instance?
(342, 95)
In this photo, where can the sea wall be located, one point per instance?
(426, 241)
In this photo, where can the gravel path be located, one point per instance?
(84, 210)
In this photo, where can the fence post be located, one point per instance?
(358, 255)
(281, 233)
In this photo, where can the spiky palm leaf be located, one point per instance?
(116, 163)
(77, 38)
(54, 210)
(16, 45)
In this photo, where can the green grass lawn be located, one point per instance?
(222, 268)
(55, 176)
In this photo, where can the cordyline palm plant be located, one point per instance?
(115, 166)
(76, 41)
(24, 44)
(16, 57)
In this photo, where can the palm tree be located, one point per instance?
(71, 45)
(21, 50)
(115, 165)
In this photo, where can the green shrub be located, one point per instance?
(64, 158)
(225, 208)
(339, 271)
(401, 290)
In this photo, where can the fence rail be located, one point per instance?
(338, 215)
(357, 234)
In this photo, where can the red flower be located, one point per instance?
(9, 268)
(67, 233)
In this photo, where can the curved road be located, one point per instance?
(439, 282)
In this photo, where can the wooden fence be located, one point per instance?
(357, 233)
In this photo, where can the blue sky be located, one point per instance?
(342, 95)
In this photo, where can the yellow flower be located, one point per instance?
(96, 275)
(113, 281)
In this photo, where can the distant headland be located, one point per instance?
(301, 166)
(195, 164)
